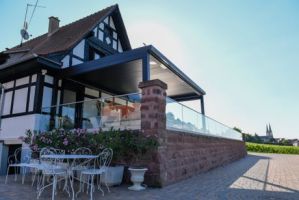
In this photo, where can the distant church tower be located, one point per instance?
(269, 131)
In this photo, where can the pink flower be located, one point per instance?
(65, 142)
(35, 147)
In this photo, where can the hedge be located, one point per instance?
(268, 148)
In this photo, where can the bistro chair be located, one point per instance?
(51, 168)
(80, 164)
(100, 167)
(19, 162)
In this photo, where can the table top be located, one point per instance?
(69, 156)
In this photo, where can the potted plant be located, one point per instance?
(113, 139)
(139, 146)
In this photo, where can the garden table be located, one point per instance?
(69, 158)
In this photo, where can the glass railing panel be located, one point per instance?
(181, 117)
(122, 112)
(67, 118)
(116, 112)
(91, 111)
(191, 120)
(174, 115)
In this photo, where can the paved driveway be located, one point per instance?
(258, 176)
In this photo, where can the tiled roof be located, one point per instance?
(65, 37)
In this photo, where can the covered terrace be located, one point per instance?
(121, 73)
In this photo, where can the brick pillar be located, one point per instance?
(153, 122)
(153, 106)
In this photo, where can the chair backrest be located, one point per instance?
(81, 162)
(18, 154)
(50, 151)
(104, 158)
(17, 157)
(82, 151)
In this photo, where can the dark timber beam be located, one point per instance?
(202, 105)
(146, 68)
(105, 62)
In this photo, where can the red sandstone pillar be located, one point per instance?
(153, 106)
(153, 123)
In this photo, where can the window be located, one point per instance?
(19, 105)
(108, 32)
(58, 100)
(120, 49)
(101, 35)
(114, 44)
(31, 98)
(91, 92)
(33, 78)
(47, 99)
(9, 84)
(22, 81)
(18, 99)
(91, 110)
(49, 79)
(94, 54)
(7, 103)
(69, 96)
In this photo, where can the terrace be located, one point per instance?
(248, 178)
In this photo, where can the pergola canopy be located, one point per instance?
(121, 73)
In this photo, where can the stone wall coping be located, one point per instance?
(155, 82)
(181, 132)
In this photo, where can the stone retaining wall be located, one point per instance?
(183, 155)
(180, 155)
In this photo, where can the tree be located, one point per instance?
(237, 129)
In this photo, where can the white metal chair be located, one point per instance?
(18, 162)
(79, 165)
(101, 164)
(51, 168)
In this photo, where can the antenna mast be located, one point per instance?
(24, 33)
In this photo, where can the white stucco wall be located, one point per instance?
(14, 127)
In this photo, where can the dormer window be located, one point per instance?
(108, 32)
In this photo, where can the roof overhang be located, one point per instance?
(27, 66)
(121, 73)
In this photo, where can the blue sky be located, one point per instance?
(243, 53)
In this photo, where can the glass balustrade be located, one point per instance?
(182, 118)
(123, 112)
(115, 112)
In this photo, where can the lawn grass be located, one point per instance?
(269, 148)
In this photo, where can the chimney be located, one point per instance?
(53, 25)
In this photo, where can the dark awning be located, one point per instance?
(121, 73)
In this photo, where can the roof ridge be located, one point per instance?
(107, 8)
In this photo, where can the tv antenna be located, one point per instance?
(24, 31)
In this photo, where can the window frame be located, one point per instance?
(14, 89)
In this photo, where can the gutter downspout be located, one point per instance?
(1, 102)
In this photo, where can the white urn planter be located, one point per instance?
(137, 178)
(114, 176)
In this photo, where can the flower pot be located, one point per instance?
(137, 177)
(114, 176)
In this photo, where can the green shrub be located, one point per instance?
(128, 146)
(268, 148)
